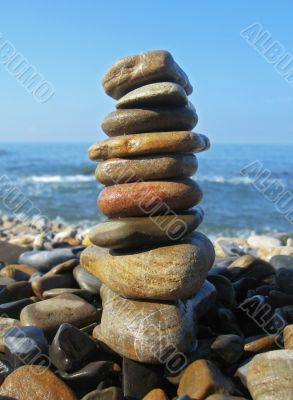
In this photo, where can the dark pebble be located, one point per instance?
(71, 349)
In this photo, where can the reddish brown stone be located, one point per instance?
(148, 198)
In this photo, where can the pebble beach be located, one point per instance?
(146, 301)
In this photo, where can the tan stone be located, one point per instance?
(50, 314)
(169, 272)
(149, 198)
(270, 374)
(154, 94)
(288, 337)
(145, 330)
(154, 167)
(138, 120)
(131, 72)
(262, 344)
(34, 382)
(149, 143)
(18, 271)
(156, 394)
(203, 378)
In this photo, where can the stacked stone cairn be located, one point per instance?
(152, 264)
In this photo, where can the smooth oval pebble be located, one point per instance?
(44, 260)
(140, 69)
(149, 143)
(154, 94)
(33, 382)
(270, 374)
(138, 120)
(86, 280)
(125, 170)
(50, 314)
(137, 231)
(144, 331)
(149, 198)
(168, 272)
(288, 337)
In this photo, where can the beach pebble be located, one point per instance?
(230, 247)
(149, 143)
(270, 375)
(6, 281)
(156, 394)
(282, 261)
(86, 280)
(139, 274)
(153, 167)
(144, 120)
(52, 282)
(83, 293)
(137, 70)
(223, 397)
(18, 272)
(5, 370)
(276, 298)
(228, 348)
(154, 94)
(89, 376)
(137, 231)
(139, 378)
(160, 325)
(26, 345)
(35, 380)
(263, 241)
(149, 198)
(225, 289)
(111, 393)
(13, 308)
(67, 233)
(71, 348)
(248, 266)
(288, 337)
(9, 253)
(260, 344)
(16, 291)
(202, 378)
(50, 314)
(5, 324)
(44, 260)
(284, 279)
(267, 253)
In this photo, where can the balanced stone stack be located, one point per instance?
(151, 263)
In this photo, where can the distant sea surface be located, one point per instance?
(59, 180)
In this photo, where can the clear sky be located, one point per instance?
(239, 96)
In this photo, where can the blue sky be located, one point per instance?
(239, 96)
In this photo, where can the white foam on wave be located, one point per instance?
(236, 180)
(60, 178)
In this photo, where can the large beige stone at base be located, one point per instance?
(270, 376)
(33, 382)
(149, 143)
(168, 272)
(145, 330)
(137, 70)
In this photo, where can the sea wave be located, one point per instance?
(236, 180)
(59, 178)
